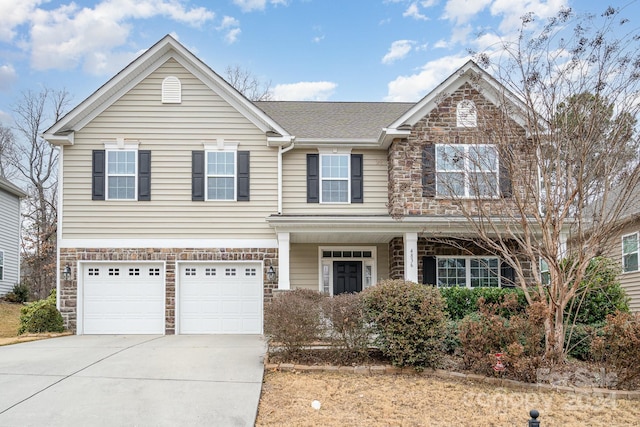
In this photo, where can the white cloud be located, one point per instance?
(232, 27)
(251, 5)
(461, 11)
(304, 91)
(70, 36)
(414, 87)
(232, 35)
(15, 13)
(414, 12)
(7, 76)
(398, 50)
(511, 11)
(317, 39)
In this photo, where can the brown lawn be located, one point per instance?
(10, 322)
(349, 399)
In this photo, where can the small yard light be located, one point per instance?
(66, 273)
(271, 274)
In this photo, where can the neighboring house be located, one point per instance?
(183, 205)
(10, 196)
(624, 248)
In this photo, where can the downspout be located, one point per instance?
(59, 225)
(281, 151)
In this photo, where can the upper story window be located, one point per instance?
(334, 178)
(466, 114)
(630, 252)
(465, 170)
(221, 175)
(121, 174)
(470, 272)
(171, 90)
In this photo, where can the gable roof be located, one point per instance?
(61, 133)
(334, 121)
(12, 189)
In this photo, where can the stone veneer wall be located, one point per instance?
(68, 291)
(405, 155)
(430, 248)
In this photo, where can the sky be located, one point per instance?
(315, 50)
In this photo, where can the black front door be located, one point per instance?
(347, 277)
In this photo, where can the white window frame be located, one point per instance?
(324, 156)
(466, 114)
(221, 146)
(325, 270)
(468, 270)
(121, 146)
(467, 170)
(1, 265)
(545, 275)
(637, 252)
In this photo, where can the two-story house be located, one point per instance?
(183, 205)
(10, 224)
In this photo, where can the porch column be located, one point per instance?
(283, 261)
(411, 257)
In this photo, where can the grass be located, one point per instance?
(9, 319)
(413, 400)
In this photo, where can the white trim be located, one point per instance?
(411, 257)
(468, 269)
(121, 147)
(80, 288)
(335, 152)
(60, 210)
(171, 90)
(637, 252)
(221, 148)
(467, 170)
(284, 260)
(373, 262)
(168, 243)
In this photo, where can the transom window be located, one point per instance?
(466, 170)
(470, 272)
(221, 175)
(630, 252)
(334, 178)
(121, 174)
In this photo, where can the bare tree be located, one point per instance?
(7, 142)
(36, 161)
(565, 139)
(248, 84)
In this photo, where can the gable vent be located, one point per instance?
(171, 90)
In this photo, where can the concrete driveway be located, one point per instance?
(175, 380)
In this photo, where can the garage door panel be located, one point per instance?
(123, 298)
(220, 298)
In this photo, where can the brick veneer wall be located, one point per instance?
(405, 155)
(433, 248)
(68, 289)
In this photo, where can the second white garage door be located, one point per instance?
(220, 298)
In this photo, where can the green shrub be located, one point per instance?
(41, 316)
(409, 320)
(347, 327)
(464, 301)
(19, 294)
(451, 342)
(293, 320)
(599, 294)
(519, 338)
(578, 340)
(617, 348)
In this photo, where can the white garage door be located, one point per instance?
(220, 298)
(123, 298)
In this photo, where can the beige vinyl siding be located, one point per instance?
(305, 269)
(630, 281)
(294, 187)
(171, 132)
(9, 240)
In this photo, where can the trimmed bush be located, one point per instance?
(520, 339)
(19, 294)
(41, 316)
(347, 327)
(293, 320)
(463, 301)
(617, 348)
(409, 320)
(578, 340)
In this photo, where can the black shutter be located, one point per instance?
(505, 176)
(243, 176)
(98, 175)
(357, 180)
(313, 178)
(144, 175)
(429, 270)
(197, 176)
(429, 171)
(508, 277)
